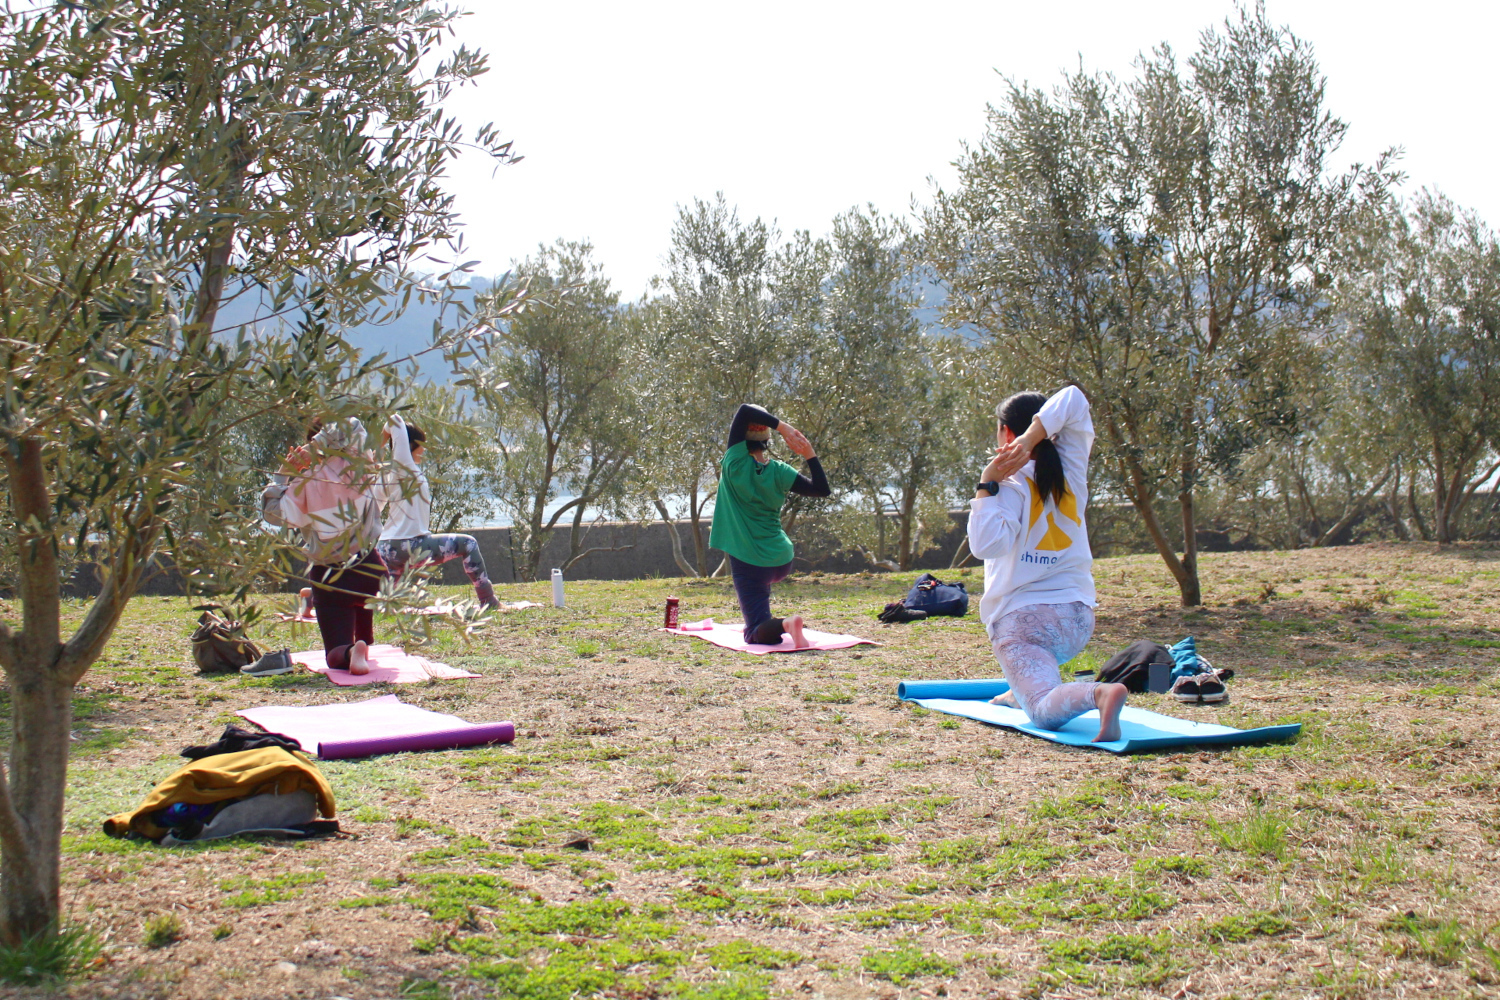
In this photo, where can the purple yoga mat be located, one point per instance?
(443, 739)
(374, 726)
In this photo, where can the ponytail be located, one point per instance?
(1050, 481)
(1016, 414)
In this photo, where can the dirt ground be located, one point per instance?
(678, 820)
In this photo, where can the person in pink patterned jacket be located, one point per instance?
(333, 495)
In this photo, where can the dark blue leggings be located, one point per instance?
(752, 585)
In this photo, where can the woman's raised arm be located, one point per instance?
(748, 414)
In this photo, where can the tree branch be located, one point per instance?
(38, 643)
(12, 824)
(598, 548)
(7, 648)
(677, 556)
(1355, 509)
(88, 641)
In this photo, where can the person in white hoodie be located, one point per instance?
(1027, 523)
(407, 535)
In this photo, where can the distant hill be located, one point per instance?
(406, 334)
(412, 331)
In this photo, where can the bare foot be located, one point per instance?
(1008, 699)
(1109, 699)
(794, 628)
(359, 658)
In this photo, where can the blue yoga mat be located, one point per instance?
(1140, 730)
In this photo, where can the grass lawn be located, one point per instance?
(783, 826)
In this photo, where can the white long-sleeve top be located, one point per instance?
(406, 489)
(1036, 551)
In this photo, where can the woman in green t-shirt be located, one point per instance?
(747, 517)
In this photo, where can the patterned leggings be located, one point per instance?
(1030, 643)
(436, 550)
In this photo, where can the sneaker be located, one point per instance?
(1211, 690)
(279, 662)
(1187, 690)
(1202, 689)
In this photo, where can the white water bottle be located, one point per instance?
(557, 588)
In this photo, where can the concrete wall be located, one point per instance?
(634, 551)
(628, 552)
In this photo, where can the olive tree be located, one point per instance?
(462, 457)
(156, 159)
(1423, 314)
(555, 381)
(1167, 244)
(1318, 486)
(709, 344)
(865, 382)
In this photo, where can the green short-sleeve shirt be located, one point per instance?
(747, 510)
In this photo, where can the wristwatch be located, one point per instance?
(991, 487)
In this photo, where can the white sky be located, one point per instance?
(799, 111)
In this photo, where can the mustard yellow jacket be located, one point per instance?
(224, 777)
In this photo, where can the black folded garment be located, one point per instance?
(236, 739)
(897, 612)
(1132, 667)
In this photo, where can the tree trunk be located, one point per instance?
(42, 717)
(1140, 498)
(1416, 510)
(1393, 505)
(1189, 586)
(677, 556)
(31, 794)
(1356, 508)
(1459, 491)
(700, 548)
(908, 509)
(1191, 589)
(533, 551)
(1314, 529)
(1442, 529)
(219, 250)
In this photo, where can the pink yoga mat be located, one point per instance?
(733, 637)
(375, 726)
(388, 664)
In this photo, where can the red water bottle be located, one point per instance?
(671, 612)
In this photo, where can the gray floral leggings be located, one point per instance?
(1031, 642)
(436, 550)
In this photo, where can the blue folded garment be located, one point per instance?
(1185, 659)
(1140, 730)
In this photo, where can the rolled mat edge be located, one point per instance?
(442, 739)
(959, 690)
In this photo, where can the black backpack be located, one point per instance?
(938, 598)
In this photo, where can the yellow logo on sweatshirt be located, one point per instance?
(1055, 540)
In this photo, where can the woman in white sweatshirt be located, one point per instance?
(1027, 523)
(407, 536)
